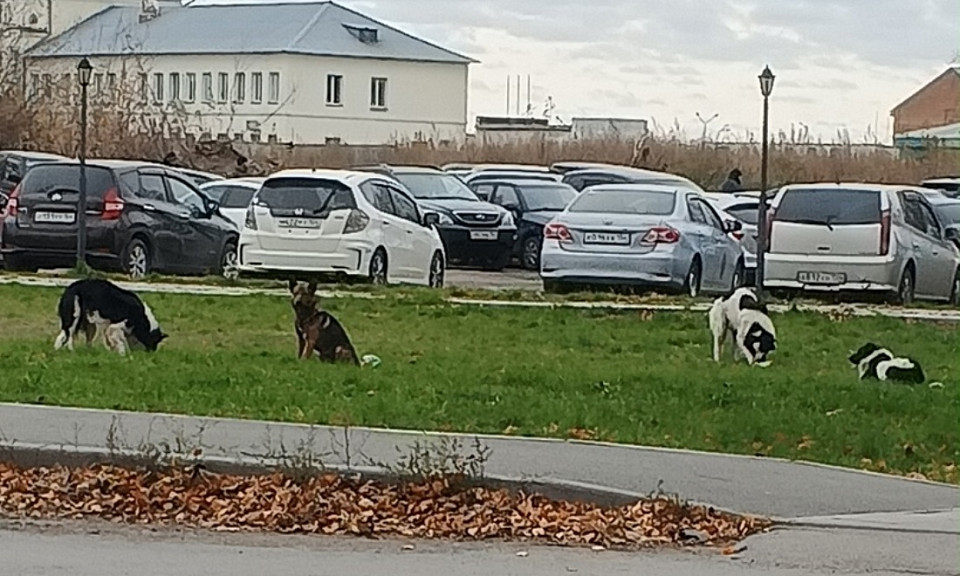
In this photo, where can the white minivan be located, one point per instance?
(347, 223)
(861, 237)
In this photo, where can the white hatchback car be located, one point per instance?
(233, 196)
(357, 224)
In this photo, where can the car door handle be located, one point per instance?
(386, 224)
(149, 207)
(183, 215)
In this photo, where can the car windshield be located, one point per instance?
(650, 202)
(553, 198)
(430, 186)
(312, 195)
(949, 213)
(746, 213)
(829, 207)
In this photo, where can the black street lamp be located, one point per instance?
(766, 88)
(84, 70)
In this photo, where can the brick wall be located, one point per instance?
(937, 104)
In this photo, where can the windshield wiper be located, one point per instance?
(814, 223)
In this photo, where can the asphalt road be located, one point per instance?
(97, 549)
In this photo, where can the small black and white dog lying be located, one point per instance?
(874, 362)
(95, 306)
(743, 317)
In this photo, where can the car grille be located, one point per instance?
(479, 219)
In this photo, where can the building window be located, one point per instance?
(97, 85)
(47, 85)
(223, 87)
(174, 86)
(144, 88)
(378, 93)
(34, 85)
(111, 86)
(334, 88)
(239, 87)
(207, 87)
(190, 87)
(273, 90)
(158, 88)
(256, 87)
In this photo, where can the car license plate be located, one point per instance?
(483, 234)
(605, 238)
(821, 277)
(55, 217)
(299, 223)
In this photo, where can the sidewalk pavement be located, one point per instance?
(937, 315)
(800, 492)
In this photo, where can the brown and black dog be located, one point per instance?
(317, 330)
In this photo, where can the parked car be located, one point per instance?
(347, 223)
(949, 186)
(564, 167)
(474, 232)
(458, 169)
(198, 177)
(948, 210)
(581, 179)
(14, 164)
(533, 204)
(860, 237)
(140, 218)
(489, 175)
(744, 209)
(510, 168)
(233, 196)
(652, 235)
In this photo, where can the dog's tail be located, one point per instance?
(69, 310)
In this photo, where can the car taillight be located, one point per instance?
(885, 233)
(250, 219)
(557, 232)
(112, 205)
(13, 202)
(737, 235)
(661, 235)
(356, 221)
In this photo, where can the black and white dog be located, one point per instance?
(95, 306)
(741, 316)
(874, 362)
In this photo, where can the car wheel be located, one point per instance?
(378, 267)
(738, 277)
(18, 264)
(691, 286)
(530, 256)
(136, 259)
(955, 293)
(436, 271)
(907, 288)
(228, 260)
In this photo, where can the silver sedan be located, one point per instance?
(652, 236)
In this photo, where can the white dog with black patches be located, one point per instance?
(876, 363)
(742, 317)
(94, 306)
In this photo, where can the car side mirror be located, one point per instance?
(431, 220)
(730, 226)
(952, 233)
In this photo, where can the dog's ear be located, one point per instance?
(312, 287)
(291, 284)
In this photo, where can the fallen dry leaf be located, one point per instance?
(333, 504)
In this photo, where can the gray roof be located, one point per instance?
(319, 29)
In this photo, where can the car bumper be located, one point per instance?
(861, 273)
(462, 249)
(57, 248)
(656, 269)
(351, 258)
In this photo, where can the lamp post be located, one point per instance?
(766, 87)
(84, 70)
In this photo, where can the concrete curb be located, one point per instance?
(200, 289)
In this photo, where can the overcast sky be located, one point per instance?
(840, 64)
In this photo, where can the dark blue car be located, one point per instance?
(533, 204)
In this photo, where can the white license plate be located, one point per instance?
(483, 234)
(821, 277)
(299, 222)
(55, 217)
(605, 238)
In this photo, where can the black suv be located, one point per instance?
(474, 232)
(14, 164)
(141, 218)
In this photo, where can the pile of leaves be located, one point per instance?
(334, 504)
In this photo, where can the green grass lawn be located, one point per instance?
(631, 377)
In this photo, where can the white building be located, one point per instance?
(301, 73)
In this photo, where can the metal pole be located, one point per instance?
(762, 219)
(82, 201)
